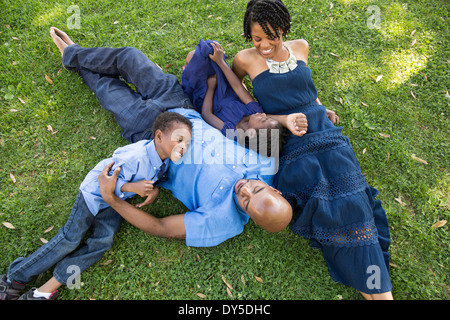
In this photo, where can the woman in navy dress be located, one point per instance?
(319, 173)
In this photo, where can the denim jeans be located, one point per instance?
(65, 250)
(103, 69)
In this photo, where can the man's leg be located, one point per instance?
(101, 68)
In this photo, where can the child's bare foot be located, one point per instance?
(60, 38)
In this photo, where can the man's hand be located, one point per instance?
(108, 183)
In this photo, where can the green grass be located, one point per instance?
(345, 56)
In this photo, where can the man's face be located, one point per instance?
(253, 195)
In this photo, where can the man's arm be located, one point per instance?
(168, 227)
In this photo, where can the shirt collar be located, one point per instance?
(155, 160)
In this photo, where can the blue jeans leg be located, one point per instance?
(64, 250)
(104, 227)
(135, 111)
(64, 242)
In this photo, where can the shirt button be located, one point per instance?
(221, 188)
(234, 167)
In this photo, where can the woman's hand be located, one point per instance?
(297, 124)
(332, 116)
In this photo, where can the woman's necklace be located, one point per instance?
(284, 66)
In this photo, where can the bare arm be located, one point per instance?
(207, 106)
(168, 227)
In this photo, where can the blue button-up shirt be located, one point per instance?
(138, 161)
(204, 179)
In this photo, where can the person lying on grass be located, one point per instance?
(225, 104)
(222, 184)
(141, 165)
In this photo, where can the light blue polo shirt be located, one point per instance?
(204, 179)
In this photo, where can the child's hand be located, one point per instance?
(297, 124)
(218, 56)
(151, 196)
(143, 187)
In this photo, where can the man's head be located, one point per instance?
(264, 204)
(172, 135)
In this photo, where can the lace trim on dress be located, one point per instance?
(358, 234)
(283, 66)
(316, 144)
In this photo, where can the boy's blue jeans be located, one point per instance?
(65, 250)
(135, 112)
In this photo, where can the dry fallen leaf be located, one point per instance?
(364, 150)
(259, 279)
(412, 33)
(48, 229)
(413, 42)
(106, 262)
(13, 179)
(48, 79)
(229, 293)
(8, 225)
(225, 281)
(413, 95)
(418, 159)
(334, 54)
(384, 135)
(201, 295)
(43, 240)
(21, 100)
(364, 104)
(242, 279)
(399, 200)
(439, 224)
(379, 78)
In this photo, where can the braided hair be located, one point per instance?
(267, 13)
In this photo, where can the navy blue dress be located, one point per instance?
(226, 104)
(320, 176)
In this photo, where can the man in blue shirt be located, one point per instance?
(220, 182)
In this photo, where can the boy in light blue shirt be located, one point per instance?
(141, 165)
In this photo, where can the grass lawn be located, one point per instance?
(389, 85)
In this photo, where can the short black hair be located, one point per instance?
(267, 13)
(165, 121)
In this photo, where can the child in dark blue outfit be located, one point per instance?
(225, 104)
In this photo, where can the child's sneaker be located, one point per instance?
(9, 290)
(29, 295)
